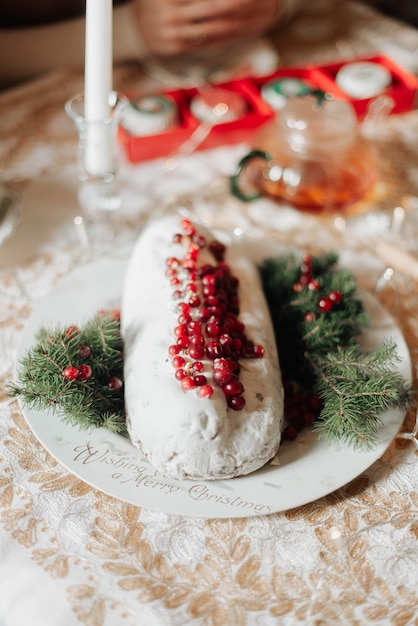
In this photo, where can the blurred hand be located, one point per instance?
(172, 27)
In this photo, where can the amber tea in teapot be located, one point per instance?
(311, 155)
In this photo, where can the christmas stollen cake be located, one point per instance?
(203, 391)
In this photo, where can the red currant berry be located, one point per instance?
(84, 372)
(115, 383)
(325, 304)
(114, 314)
(236, 402)
(197, 340)
(84, 352)
(233, 388)
(220, 363)
(239, 326)
(191, 287)
(172, 262)
(174, 350)
(200, 380)
(218, 250)
(258, 351)
(222, 376)
(237, 344)
(180, 373)
(194, 328)
(335, 296)
(178, 361)
(189, 264)
(187, 227)
(70, 332)
(204, 314)
(70, 372)
(194, 301)
(188, 383)
(196, 351)
(180, 330)
(183, 342)
(205, 391)
(290, 433)
(199, 240)
(308, 418)
(184, 318)
(212, 329)
(309, 317)
(313, 285)
(213, 349)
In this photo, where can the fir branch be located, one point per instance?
(356, 389)
(295, 335)
(93, 400)
(319, 350)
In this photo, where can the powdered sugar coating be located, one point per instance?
(183, 435)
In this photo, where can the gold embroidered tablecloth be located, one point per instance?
(70, 554)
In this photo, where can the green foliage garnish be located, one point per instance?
(78, 373)
(317, 319)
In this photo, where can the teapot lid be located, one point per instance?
(318, 118)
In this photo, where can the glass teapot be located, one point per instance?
(312, 155)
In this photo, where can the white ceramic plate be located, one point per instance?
(307, 469)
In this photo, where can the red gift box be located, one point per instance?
(191, 134)
(176, 139)
(402, 89)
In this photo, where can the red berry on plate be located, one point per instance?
(233, 388)
(196, 351)
(335, 296)
(325, 304)
(205, 391)
(309, 316)
(84, 372)
(84, 352)
(174, 350)
(70, 332)
(222, 375)
(188, 383)
(258, 351)
(178, 361)
(115, 383)
(180, 373)
(70, 372)
(236, 402)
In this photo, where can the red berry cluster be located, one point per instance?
(84, 371)
(208, 325)
(306, 281)
(301, 409)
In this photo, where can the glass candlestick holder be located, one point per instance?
(98, 157)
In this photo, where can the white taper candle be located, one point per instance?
(98, 85)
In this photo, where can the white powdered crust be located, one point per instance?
(181, 434)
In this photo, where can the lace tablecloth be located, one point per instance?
(70, 554)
